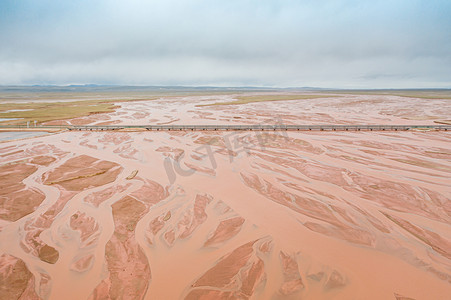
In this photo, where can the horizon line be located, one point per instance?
(216, 87)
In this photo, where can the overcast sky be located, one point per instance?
(280, 43)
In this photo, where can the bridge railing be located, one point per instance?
(209, 127)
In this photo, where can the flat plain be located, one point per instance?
(226, 215)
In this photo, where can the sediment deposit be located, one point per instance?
(231, 215)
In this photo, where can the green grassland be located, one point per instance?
(50, 111)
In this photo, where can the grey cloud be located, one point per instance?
(277, 43)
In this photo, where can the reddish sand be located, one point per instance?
(231, 215)
(16, 199)
(17, 282)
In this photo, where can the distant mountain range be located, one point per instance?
(126, 88)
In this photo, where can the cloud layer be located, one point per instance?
(344, 43)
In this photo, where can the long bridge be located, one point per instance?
(259, 127)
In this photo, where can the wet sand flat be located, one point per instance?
(231, 215)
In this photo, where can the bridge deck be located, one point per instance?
(325, 127)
